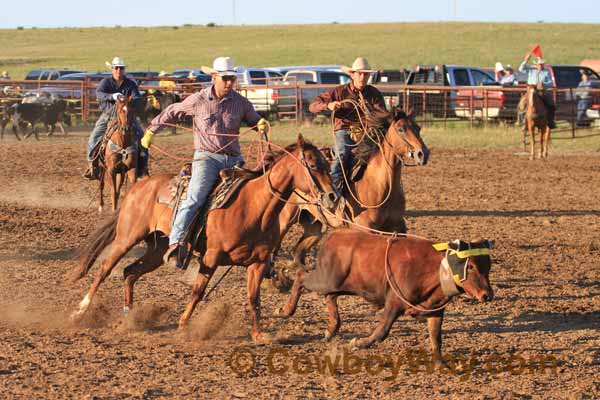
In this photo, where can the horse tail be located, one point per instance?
(89, 251)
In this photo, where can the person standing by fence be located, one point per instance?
(583, 97)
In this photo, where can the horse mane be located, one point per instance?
(377, 124)
(273, 156)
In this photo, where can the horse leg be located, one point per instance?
(389, 315)
(541, 130)
(151, 260)
(116, 252)
(35, 132)
(531, 128)
(290, 307)
(434, 326)
(115, 188)
(255, 276)
(202, 279)
(334, 322)
(102, 183)
(546, 142)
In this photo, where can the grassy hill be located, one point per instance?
(390, 45)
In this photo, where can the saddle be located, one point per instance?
(221, 196)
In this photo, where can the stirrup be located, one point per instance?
(175, 257)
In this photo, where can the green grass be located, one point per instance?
(460, 136)
(390, 45)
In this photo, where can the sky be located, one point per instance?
(82, 13)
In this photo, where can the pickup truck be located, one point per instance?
(441, 103)
(503, 104)
(291, 99)
(255, 84)
(383, 78)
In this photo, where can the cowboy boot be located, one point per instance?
(91, 173)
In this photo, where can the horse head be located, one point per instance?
(403, 135)
(125, 111)
(310, 173)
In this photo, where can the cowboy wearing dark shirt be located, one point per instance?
(347, 117)
(109, 90)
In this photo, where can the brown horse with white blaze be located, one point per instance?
(536, 118)
(378, 201)
(120, 154)
(243, 233)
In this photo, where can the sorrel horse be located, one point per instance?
(536, 117)
(378, 201)
(120, 154)
(244, 233)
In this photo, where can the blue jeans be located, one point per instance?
(582, 106)
(99, 131)
(205, 173)
(342, 150)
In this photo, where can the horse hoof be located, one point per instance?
(329, 336)
(353, 344)
(100, 209)
(126, 311)
(76, 317)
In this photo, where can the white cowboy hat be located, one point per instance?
(116, 62)
(222, 66)
(162, 73)
(540, 61)
(499, 67)
(507, 67)
(360, 64)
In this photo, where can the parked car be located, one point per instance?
(284, 70)
(263, 97)
(503, 104)
(437, 102)
(292, 99)
(185, 72)
(47, 74)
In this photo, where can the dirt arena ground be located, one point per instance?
(544, 217)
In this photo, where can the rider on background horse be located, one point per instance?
(347, 125)
(216, 110)
(109, 90)
(540, 78)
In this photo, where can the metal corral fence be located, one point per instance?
(289, 101)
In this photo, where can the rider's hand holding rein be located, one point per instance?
(262, 126)
(118, 96)
(147, 139)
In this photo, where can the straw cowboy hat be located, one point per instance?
(116, 62)
(162, 73)
(360, 64)
(222, 66)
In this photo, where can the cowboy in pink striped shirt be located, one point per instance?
(217, 109)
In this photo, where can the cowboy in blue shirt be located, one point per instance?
(540, 78)
(109, 90)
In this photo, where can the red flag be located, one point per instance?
(537, 51)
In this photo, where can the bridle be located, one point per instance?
(124, 129)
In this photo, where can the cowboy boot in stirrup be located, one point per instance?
(91, 173)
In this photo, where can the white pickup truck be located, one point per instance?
(255, 84)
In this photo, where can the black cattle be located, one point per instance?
(51, 110)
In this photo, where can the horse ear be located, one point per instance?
(300, 141)
(410, 113)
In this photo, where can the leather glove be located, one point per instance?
(118, 96)
(147, 139)
(262, 125)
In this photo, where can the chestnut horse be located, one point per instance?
(244, 233)
(120, 154)
(536, 117)
(380, 191)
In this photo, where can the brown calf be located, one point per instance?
(400, 276)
